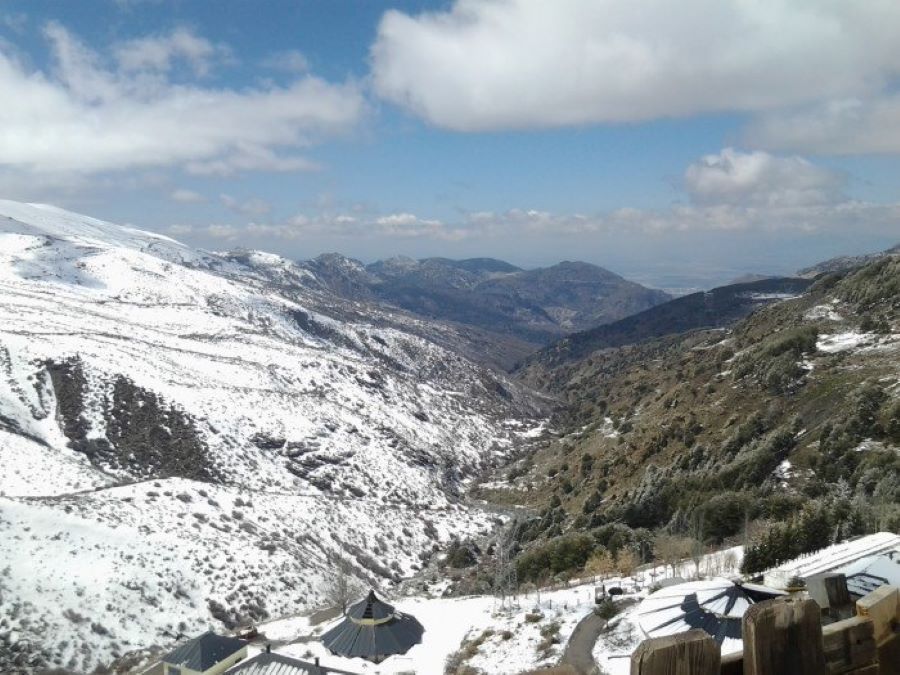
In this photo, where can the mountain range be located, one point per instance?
(522, 309)
(193, 439)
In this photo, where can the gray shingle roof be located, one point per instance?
(278, 664)
(204, 651)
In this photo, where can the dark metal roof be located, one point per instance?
(373, 630)
(278, 664)
(204, 651)
(370, 608)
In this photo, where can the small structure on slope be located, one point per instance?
(207, 654)
(373, 630)
(278, 664)
(715, 606)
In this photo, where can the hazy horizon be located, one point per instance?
(676, 148)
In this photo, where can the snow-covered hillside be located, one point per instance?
(186, 435)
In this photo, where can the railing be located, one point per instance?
(785, 636)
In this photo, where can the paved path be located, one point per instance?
(578, 652)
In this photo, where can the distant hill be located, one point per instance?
(534, 307)
(844, 263)
(709, 309)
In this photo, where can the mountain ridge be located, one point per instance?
(534, 307)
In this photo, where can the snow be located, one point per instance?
(840, 342)
(450, 621)
(368, 425)
(820, 312)
(31, 469)
(508, 642)
(784, 471)
(771, 296)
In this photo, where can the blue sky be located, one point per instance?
(678, 148)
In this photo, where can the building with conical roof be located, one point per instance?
(373, 630)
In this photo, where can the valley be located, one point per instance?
(194, 439)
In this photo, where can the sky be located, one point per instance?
(679, 144)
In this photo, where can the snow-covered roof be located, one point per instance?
(833, 558)
(715, 606)
(865, 575)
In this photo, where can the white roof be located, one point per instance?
(833, 558)
(672, 610)
(865, 575)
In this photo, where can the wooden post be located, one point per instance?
(690, 653)
(783, 636)
(882, 606)
(830, 591)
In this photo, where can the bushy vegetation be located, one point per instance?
(818, 524)
(558, 555)
(774, 364)
(751, 433)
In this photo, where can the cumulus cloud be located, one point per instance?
(761, 179)
(92, 112)
(500, 64)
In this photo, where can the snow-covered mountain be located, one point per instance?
(189, 438)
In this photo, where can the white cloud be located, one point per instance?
(251, 158)
(158, 53)
(499, 64)
(85, 116)
(183, 196)
(847, 216)
(761, 179)
(343, 225)
(250, 207)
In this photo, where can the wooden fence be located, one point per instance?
(785, 636)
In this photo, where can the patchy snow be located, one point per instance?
(608, 429)
(840, 342)
(784, 471)
(614, 647)
(770, 296)
(823, 312)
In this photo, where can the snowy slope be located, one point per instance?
(255, 428)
